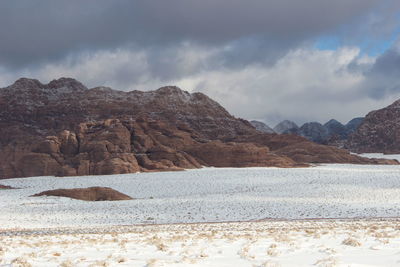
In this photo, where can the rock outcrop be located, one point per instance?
(87, 194)
(379, 132)
(65, 129)
(303, 152)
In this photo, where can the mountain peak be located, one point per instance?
(171, 90)
(332, 122)
(314, 131)
(286, 126)
(27, 83)
(66, 82)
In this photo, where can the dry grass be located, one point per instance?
(351, 242)
(20, 262)
(327, 262)
(67, 263)
(254, 243)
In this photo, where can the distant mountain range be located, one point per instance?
(330, 132)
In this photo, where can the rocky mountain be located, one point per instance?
(353, 125)
(63, 128)
(286, 127)
(379, 132)
(314, 131)
(262, 127)
(335, 128)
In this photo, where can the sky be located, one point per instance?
(270, 60)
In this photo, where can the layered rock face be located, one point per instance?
(379, 132)
(63, 129)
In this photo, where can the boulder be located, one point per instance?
(87, 194)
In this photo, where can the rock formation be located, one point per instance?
(63, 129)
(87, 194)
(303, 151)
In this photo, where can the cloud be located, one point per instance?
(304, 85)
(383, 77)
(34, 32)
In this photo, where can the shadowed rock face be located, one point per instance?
(65, 129)
(87, 194)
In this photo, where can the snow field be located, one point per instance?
(208, 195)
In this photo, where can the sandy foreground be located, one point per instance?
(372, 242)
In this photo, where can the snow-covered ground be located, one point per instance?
(283, 243)
(208, 195)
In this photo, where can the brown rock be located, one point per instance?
(51, 145)
(308, 152)
(87, 194)
(122, 164)
(219, 154)
(37, 164)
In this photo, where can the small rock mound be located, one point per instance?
(6, 187)
(87, 194)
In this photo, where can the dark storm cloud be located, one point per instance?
(383, 77)
(43, 30)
